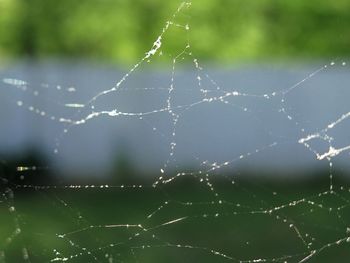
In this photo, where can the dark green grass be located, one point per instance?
(242, 230)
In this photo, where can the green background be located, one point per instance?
(221, 31)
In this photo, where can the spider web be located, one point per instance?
(207, 213)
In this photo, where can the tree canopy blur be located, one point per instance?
(223, 31)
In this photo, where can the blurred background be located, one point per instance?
(254, 48)
(221, 31)
(288, 63)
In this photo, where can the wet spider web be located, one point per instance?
(209, 213)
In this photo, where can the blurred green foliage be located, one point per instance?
(226, 30)
(239, 230)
